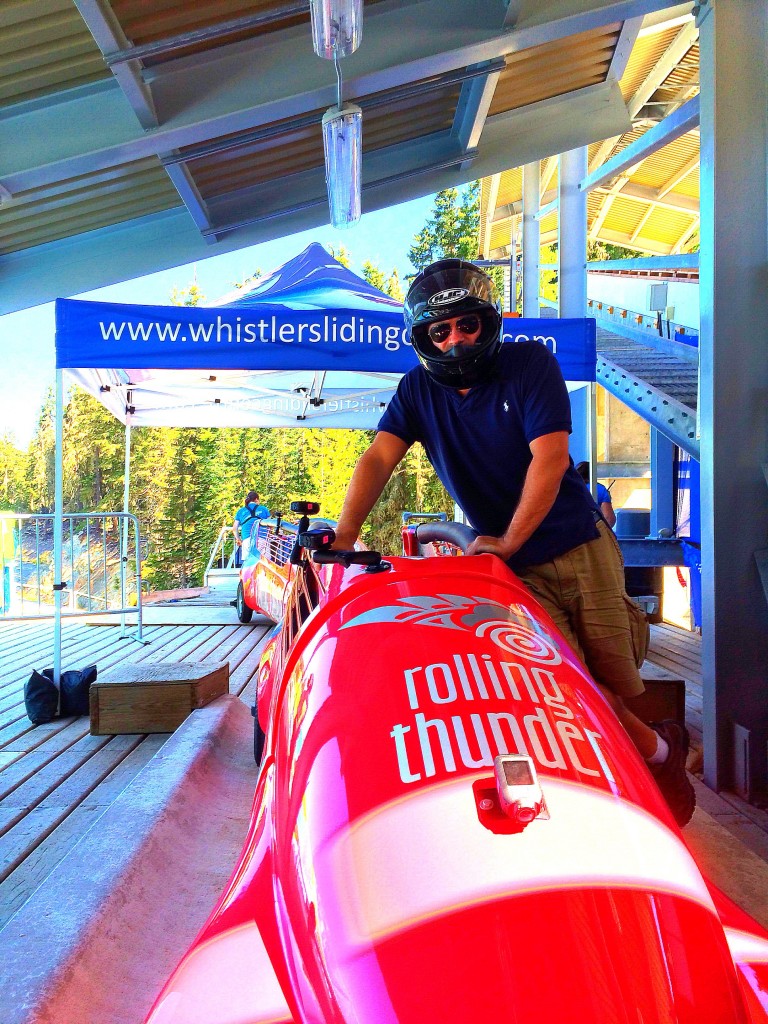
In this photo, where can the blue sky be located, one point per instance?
(27, 337)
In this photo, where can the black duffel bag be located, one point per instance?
(44, 701)
(41, 697)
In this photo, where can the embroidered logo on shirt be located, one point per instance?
(506, 406)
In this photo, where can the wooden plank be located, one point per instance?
(25, 834)
(34, 790)
(174, 642)
(39, 863)
(675, 665)
(33, 761)
(95, 651)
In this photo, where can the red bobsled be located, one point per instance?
(450, 826)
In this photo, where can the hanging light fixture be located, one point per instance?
(343, 146)
(337, 27)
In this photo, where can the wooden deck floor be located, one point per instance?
(679, 651)
(57, 779)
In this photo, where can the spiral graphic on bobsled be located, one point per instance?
(519, 640)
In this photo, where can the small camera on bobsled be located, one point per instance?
(512, 799)
(518, 787)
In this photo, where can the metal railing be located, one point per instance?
(672, 330)
(101, 566)
(219, 558)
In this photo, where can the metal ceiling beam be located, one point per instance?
(148, 244)
(307, 189)
(679, 176)
(627, 37)
(666, 64)
(686, 236)
(607, 203)
(200, 101)
(190, 196)
(472, 108)
(643, 194)
(544, 211)
(681, 121)
(105, 29)
(548, 172)
(161, 48)
(385, 98)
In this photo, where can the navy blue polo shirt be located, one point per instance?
(479, 445)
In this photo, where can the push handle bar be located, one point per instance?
(425, 516)
(458, 534)
(319, 542)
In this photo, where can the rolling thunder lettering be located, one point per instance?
(428, 745)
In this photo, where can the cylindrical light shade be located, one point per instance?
(337, 27)
(343, 145)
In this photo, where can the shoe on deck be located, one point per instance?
(671, 777)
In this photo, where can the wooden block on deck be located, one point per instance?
(153, 698)
(664, 696)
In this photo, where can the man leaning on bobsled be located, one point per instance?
(494, 420)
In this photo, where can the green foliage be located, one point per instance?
(607, 251)
(452, 229)
(13, 484)
(341, 255)
(389, 285)
(190, 296)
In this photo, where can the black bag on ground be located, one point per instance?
(74, 691)
(41, 697)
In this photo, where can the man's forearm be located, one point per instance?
(542, 484)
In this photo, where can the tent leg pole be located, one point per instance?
(592, 436)
(125, 526)
(58, 526)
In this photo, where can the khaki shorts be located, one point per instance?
(583, 591)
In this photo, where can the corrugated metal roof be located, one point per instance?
(44, 47)
(653, 206)
(214, 109)
(556, 68)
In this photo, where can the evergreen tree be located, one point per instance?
(452, 228)
(374, 276)
(13, 471)
(41, 458)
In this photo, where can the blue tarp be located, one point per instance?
(309, 343)
(310, 314)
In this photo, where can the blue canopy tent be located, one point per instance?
(310, 344)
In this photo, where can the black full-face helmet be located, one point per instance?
(444, 290)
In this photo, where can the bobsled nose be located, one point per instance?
(596, 913)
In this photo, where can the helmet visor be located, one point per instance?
(465, 325)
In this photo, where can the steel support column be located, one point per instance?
(662, 482)
(531, 243)
(572, 257)
(734, 384)
(573, 234)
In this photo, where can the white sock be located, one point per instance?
(661, 753)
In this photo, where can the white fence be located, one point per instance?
(101, 566)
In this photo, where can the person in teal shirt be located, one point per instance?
(245, 517)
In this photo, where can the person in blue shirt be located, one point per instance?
(603, 495)
(245, 518)
(494, 420)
